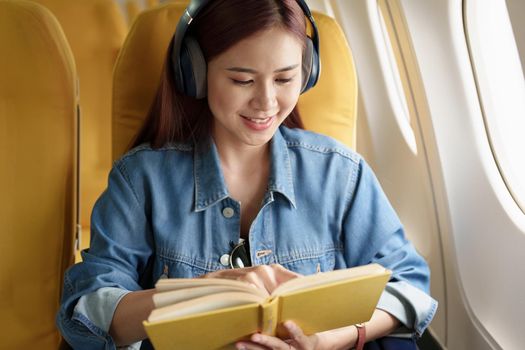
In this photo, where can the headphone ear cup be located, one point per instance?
(307, 66)
(193, 68)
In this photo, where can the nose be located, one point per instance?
(265, 97)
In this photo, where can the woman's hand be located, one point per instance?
(297, 341)
(263, 277)
(381, 324)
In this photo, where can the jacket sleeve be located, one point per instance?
(118, 258)
(374, 234)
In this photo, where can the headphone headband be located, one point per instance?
(189, 65)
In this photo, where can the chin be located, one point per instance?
(259, 140)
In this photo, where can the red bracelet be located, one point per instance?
(361, 336)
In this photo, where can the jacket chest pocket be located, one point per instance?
(179, 268)
(308, 265)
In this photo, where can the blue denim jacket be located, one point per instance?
(163, 213)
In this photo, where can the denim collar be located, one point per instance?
(210, 186)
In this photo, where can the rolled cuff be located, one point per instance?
(95, 310)
(414, 308)
(99, 306)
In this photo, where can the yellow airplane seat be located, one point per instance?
(95, 29)
(151, 3)
(137, 71)
(38, 184)
(329, 108)
(132, 10)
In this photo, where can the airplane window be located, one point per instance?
(501, 88)
(398, 75)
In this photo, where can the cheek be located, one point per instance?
(288, 101)
(221, 99)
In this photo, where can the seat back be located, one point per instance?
(38, 135)
(132, 10)
(151, 3)
(329, 108)
(138, 69)
(95, 29)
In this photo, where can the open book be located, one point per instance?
(213, 313)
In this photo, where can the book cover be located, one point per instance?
(189, 317)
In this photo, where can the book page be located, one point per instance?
(167, 284)
(328, 277)
(179, 295)
(203, 304)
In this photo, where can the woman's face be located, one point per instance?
(253, 87)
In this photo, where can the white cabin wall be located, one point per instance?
(447, 190)
(392, 142)
(485, 230)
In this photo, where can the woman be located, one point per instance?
(229, 162)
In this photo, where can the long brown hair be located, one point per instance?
(175, 117)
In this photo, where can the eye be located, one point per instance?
(283, 80)
(242, 82)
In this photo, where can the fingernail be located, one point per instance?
(256, 338)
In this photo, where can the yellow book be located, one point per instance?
(213, 313)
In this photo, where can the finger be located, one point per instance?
(245, 345)
(270, 342)
(282, 274)
(296, 334)
(255, 279)
(268, 277)
(254, 276)
(263, 276)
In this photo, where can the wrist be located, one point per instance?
(337, 339)
(361, 336)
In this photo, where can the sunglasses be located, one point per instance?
(239, 256)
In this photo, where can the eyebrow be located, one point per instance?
(249, 70)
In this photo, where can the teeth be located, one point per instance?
(259, 121)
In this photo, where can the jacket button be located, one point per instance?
(228, 212)
(225, 260)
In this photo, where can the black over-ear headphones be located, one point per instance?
(189, 65)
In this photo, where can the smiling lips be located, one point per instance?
(258, 124)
